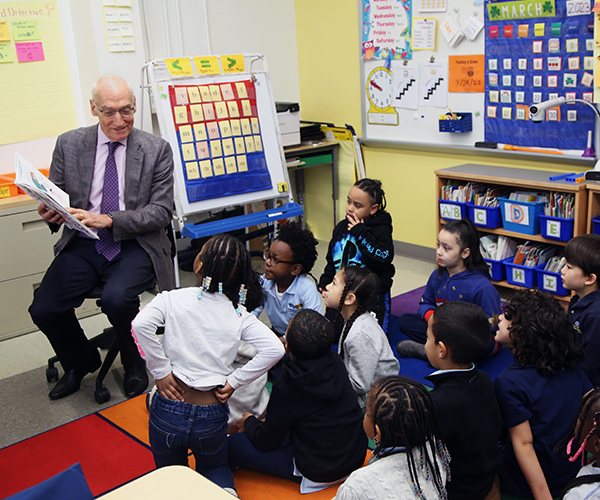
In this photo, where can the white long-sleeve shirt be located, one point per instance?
(201, 339)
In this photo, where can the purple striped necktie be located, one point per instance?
(110, 202)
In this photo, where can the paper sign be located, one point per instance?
(124, 14)
(218, 166)
(113, 30)
(200, 132)
(578, 7)
(30, 51)
(241, 90)
(4, 32)
(234, 111)
(242, 163)
(233, 63)
(206, 168)
(208, 65)
(6, 53)
(423, 34)
(126, 29)
(128, 44)
(228, 147)
(180, 66)
(230, 165)
(521, 9)
(114, 45)
(111, 15)
(25, 30)
(466, 73)
(192, 170)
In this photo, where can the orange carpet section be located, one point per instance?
(256, 486)
(131, 416)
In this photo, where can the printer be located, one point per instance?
(288, 114)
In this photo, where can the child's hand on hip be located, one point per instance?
(169, 388)
(224, 393)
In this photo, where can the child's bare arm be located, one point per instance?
(522, 441)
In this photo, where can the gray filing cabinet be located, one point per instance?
(25, 254)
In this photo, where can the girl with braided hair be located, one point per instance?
(362, 345)
(408, 461)
(193, 366)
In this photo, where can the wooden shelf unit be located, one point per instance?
(593, 203)
(520, 179)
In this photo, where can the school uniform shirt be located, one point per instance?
(550, 404)
(470, 425)
(585, 491)
(584, 314)
(467, 286)
(301, 294)
(367, 244)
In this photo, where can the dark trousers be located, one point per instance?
(73, 274)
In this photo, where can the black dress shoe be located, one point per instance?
(67, 385)
(135, 381)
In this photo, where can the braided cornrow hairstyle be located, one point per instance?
(225, 260)
(404, 412)
(588, 408)
(364, 285)
(373, 188)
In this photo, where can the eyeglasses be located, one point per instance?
(109, 113)
(274, 261)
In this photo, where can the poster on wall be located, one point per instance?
(387, 29)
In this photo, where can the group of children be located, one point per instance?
(323, 405)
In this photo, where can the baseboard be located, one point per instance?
(414, 251)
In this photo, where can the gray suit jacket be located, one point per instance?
(148, 191)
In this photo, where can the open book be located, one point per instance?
(41, 189)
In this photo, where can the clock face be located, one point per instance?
(379, 88)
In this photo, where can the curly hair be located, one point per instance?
(468, 237)
(403, 411)
(373, 188)
(302, 243)
(309, 335)
(540, 332)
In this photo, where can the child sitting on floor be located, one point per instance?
(584, 438)
(363, 345)
(312, 433)
(538, 394)
(462, 275)
(193, 366)
(408, 461)
(463, 398)
(581, 274)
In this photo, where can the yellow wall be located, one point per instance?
(329, 68)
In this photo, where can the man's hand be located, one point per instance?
(169, 388)
(51, 216)
(224, 393)
(91, 219)
(353, 220)
(240, 422)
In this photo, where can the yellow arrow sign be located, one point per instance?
(233, 63)
(207, 65)
(180, 66)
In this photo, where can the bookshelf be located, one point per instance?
(521, 179)
(593, 203)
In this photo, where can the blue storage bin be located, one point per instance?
(556, 228)
(497, 269)
(596, 225)
(453, 210)
(516, 274)
(490, 217)
(551, 282)
(521, 216)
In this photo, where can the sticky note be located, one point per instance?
(573, 45)
(185, 134)
(508, 31)
(242, 163)
(207, 65)
(194, 94)
(555, 29)
(127, 44)
(209, 111)
(240, 146)
(180, 66)
(200, 132)
(255, 127)
(4, 32)
(221, 110)
(181, 115)
(218, 166)
(126, 29)
(230, 165)
(493, 30)
(258, 143)
(114, 44)
(236, 128)
(539, 29)
(6, 53)
(29, 51)
(205, 93)
(227, 91)
(216, 149)
(213, 130)
(234, 110)
(523, 30)
(225, 128)
(228, 147)
(24, 31)
(233, 63)
(215, 93)
(203, 150)
(111, 15)
(188, 151)
(249, 144)
(197, 113)
(242, 93)
(191, 169)
(206, 169)
(124, 14)
(181, 95)
(113, 29)
(246, 108)
(246, 130)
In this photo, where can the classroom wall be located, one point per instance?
(330, 90)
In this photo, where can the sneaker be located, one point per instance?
(411, 349)
(232, 492)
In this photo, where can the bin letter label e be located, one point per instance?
(553, 228)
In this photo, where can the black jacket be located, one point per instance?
(315, 404)
(368, 244)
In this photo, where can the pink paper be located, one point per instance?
(30, 51)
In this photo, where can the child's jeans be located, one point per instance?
(176, 427)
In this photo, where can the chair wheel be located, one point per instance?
(52, 374)
(101, 395)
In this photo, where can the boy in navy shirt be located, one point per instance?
(581, 274)
(463, 398)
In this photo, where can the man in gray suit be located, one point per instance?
(120, 183)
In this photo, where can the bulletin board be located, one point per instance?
(223, 130)
(406, 117)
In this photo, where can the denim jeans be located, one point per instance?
(176, 427)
